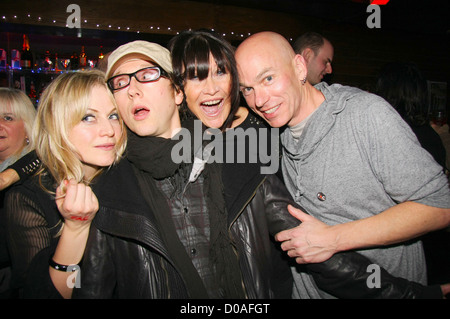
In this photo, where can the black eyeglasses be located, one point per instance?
(145, 75)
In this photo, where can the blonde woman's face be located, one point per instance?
(96, 136)
(12, 134)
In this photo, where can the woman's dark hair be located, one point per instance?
(190, 52)
(403, 85)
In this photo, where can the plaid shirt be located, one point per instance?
(186, 201)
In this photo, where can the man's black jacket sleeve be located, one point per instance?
(346, 274)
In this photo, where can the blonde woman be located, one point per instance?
(77, 133)
(17, 114)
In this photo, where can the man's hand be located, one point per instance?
(7, 178)
(311, 242)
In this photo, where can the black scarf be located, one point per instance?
(152, 155)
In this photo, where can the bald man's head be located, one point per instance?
(266, 43)
(271, 77)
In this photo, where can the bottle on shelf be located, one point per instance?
(100, 55)
(26, 58)
(48, 64)
(15, 59)
(57, 62)
(83, 59)
(74, 61)
(3, 61)
(100, 58)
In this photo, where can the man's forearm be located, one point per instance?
(397, 224)
(7, 178)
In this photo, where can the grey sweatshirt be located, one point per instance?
(362, 158)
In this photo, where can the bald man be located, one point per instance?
(349, 160)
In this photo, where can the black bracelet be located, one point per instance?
(60, 267)
(26, 165)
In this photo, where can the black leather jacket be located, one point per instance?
(123, 269)
(124, 256)
(126, 250)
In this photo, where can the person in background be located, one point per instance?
(17, 114)
(444, 133)
(76, 134)
(349, 160)
(318, 53)
(403, 85)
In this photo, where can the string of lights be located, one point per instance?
(29, 19)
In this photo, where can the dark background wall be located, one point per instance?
(410, 30)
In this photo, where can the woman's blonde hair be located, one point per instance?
(18, 103)
(63, 105)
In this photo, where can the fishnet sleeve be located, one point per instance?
(27, 233)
